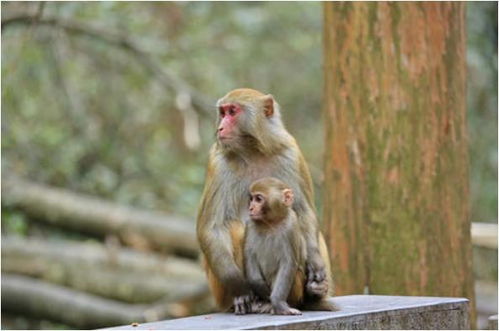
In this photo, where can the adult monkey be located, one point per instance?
(252, 143)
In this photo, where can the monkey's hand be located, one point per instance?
(317, 285)
(243, 304)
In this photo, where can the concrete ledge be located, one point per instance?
(492, 322)
(357, 312)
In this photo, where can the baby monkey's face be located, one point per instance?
(257, 206)
(270, 201)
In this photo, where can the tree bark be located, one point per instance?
(117, 275)
(84, 213)
(396, 172)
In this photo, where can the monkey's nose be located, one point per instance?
(222, 133)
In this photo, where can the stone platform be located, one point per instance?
(356, 312)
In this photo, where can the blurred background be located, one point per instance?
(107, 117)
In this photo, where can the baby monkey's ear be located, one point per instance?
(288, 197)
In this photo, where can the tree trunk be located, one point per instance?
(396, 204)
(87, 214)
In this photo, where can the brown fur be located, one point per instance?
(223, 297)
(296, 295)
(243, 95)
(266, 149)
(273, 239)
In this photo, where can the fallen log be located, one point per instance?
(128, 287)
(28, 296)
(484, 234)
(90, 268)
(91, 215)
(100, 255)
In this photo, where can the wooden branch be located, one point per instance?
(111, 273)
(29, 296)
(202, 103)
(91, 215)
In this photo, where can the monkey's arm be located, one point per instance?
(315, 264)
(282, 286)
(220, 240)
(317, 284)
(254, 275)
(218, 247)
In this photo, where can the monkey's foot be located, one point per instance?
(282, 308)
(286, 311)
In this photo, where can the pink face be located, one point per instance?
(229, 112)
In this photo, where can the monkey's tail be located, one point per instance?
(320, 305)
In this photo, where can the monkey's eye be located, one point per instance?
(221, 111)
(258, 198)
(231, 111)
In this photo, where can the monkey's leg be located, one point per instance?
(259, 303)
(223, 297)
(254, 275)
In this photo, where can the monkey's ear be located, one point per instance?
(288, 197)
(268, 105)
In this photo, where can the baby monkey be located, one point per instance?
(275, 254)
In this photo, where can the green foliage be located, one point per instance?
(14, 222)
(87, 115)
(482, 109)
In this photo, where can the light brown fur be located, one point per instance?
(296, 295)
(266, 149)
(222, 297)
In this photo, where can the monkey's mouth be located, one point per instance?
(225, 139)
(255, 217)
